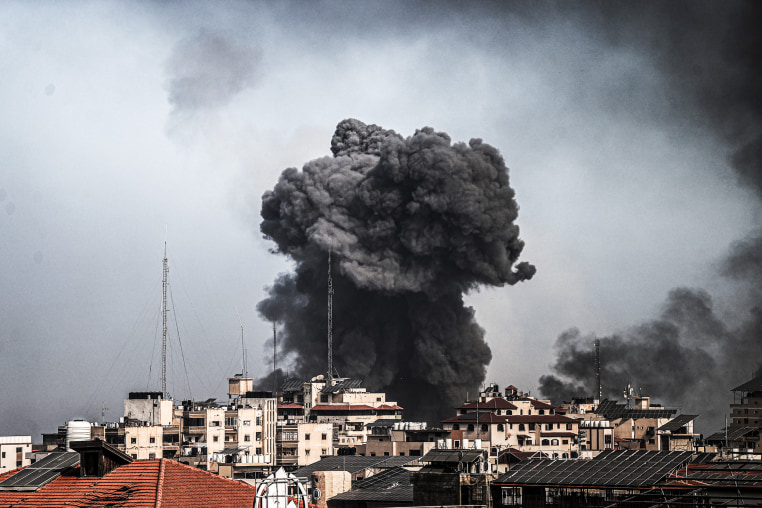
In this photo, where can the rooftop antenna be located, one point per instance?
(165, 274)
(275, 362)
(598, 393)
(245, 369)
(330, 323)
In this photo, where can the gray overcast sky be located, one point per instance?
(125, 122)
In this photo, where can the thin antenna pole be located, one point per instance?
(330, 323)
(244, 367)
(164, 328)
(275, 362)
(598, 392)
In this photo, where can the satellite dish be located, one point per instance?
(316, 494)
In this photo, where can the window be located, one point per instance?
(133, 440)
(151, 440)
(456, 443)
(545, 442)
(231, 421)
(306, 437)
(247, 437)
(378, 399)
(500, 427)
(307, 453)
(372, 454)
(19, 449)
(151, 455)
(259, 451)
(565, 441)
(554, 442)
(485, 427)
(215, 438)
(259, 420)
(3, 456)
(470, 427)
(386, 454)
(324, 437)
(324, 451)
(247, 422)
(568, 426)
(134, 455)
(258, 436)
(455, 426)
(531, 426)
(542, 411)
(402, 454)
(548, 426)
(18, 463)
(521, 426)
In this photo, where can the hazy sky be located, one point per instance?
(123, 124)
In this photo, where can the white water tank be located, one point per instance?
(77, 430)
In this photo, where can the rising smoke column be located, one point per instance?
(412, 225)
(710, 54)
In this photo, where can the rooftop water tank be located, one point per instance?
(77, 430)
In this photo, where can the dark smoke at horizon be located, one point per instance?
(412, 224)
(689, 356)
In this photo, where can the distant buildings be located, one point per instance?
(14, 451)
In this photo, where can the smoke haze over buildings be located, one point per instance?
(631, 130)
(690, 355)
(412, 224)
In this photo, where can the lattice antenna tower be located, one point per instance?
(330, 323)
(165, 275)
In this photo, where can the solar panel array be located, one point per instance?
(678, 422)
(613, 410)
(41, 472)
(345, 384)
(625, 468)
(731, 434)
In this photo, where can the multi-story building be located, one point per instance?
(392, 438)
(13, 452)
(516, 421)
(343, 403)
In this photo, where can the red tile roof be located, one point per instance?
(142, 483)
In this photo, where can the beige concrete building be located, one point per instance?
(13, 452)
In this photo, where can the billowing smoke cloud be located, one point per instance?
(710, 54)
(412, 224)
(208, 70)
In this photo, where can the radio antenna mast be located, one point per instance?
(330, 323)
(165, 273)
(244, 369)
(275, 362)
(598, 393)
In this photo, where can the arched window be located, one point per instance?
(521, 426)
(470, 427)
(455, 426)
(554, 442)
(485, 427)
(564, 455)
(545, 442)
(500, 427)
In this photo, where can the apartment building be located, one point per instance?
(343, 403)
(13, 452)
(515, 420)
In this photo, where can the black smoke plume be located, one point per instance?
(412, 224)
(710, 55)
